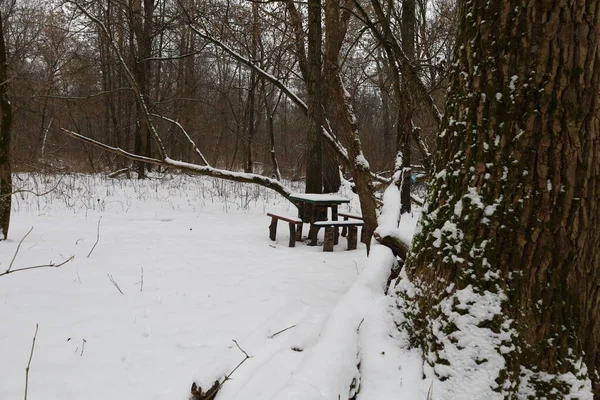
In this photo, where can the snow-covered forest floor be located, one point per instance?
(197, 270)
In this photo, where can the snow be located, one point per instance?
(513, 81)
(468, 346)
(361, 162)
(210, 275)
(319, 197)
(200, 276)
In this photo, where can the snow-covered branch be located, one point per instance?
(187, 136)
(189, 167)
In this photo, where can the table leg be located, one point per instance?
(313, 232)
(334, 217)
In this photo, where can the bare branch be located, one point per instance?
(115, 283)
(17, 251)
(35, 193)
(182, 129)
(29, 362)
(97, 238)
(197, 391)
(50, 265)
(82, 347)
(281, 331)
(90, 96)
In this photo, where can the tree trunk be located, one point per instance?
(343, 117)
(270, 114)
(5, 134)
(331, 171)
(505, 272)
(141, 52)
(252, 92)
(314, 157)
(406, 101)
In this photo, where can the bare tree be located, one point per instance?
(5, 140)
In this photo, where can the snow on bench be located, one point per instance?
(331, 232)
(295, 234)
(345, 229)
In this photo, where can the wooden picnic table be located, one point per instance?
(321, 204)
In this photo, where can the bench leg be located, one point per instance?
(329, 238)
(292, 234)
(273, 228)
(352, 236)
(363, 239)
(336, 236)
(299, 232)
(345, 228)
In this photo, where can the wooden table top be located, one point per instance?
(319, 199)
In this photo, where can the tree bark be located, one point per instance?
(5, 139)
(141, 50)
(314, 155)
(252, 92)
(509, 249)
(331, 170)
(343, 117)
(406, 101)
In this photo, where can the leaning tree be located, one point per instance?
(502, 287)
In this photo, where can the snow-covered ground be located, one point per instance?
(210, 276)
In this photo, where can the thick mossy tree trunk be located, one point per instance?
(502, 287)
(5, 133)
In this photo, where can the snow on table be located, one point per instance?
(319, 198)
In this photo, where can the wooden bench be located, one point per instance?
(356, 217)
(295, 234)
(331, 230)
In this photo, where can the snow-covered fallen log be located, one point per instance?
(331, 365)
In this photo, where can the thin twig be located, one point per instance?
(212, 393)
(228, 376)
(281, 331)
(29, 362)
(82, 347)
(114, 283)
(97, 238)
(242, 350)
(37, 194)
(51, 265)
(358, 328)
(17, 251)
